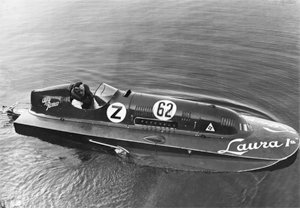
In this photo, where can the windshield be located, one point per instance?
(105, 92)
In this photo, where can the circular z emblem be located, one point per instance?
(164, 109)
(116, 112)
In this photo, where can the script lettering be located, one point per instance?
(48, 104)
(240, 152)
(242, 148)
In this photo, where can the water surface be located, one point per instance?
(244, 51)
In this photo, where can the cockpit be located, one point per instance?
(104, 93)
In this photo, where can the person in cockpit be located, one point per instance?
(81, 96)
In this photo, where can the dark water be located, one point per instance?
(243, 51)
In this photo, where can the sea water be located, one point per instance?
(244, 51)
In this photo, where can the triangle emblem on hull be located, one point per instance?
(210, 127)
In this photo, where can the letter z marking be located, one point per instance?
(114, 115)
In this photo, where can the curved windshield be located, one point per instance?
(105, 92)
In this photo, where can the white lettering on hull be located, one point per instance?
(237, 146)
(48, 104)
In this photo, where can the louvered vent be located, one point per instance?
(227, 121)
(186, 116)
(143, 111)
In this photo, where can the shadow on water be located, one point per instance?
(84, 151)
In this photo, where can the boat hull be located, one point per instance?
(174, 151)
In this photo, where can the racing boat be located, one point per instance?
(177, 131)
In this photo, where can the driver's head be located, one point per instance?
(79, 90)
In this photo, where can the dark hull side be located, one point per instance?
(31, 125)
